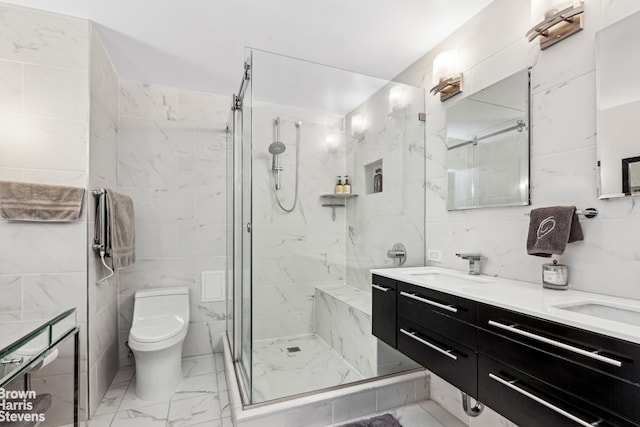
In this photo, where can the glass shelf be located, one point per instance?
(333, 205)
(339, 195)
(26, 340)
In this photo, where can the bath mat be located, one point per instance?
(386, 420)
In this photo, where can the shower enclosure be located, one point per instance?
(299, 255)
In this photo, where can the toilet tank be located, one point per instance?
(162, 302)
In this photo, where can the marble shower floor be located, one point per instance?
(278, 372)
(201, 399)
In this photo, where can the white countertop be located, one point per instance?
(524, 297)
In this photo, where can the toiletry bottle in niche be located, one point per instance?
(339, 186)
(377, 181)
(346, 187)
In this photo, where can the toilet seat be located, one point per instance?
(156, 328)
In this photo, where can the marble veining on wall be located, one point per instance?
(377, 221)
(44, 108)
(102, 294)
(171, 162)
(294, 252)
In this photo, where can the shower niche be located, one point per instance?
(373, 177)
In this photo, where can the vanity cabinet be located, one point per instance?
(588, 370)
(531, 370)
(383, 313)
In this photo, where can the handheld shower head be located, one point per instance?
(277, 148)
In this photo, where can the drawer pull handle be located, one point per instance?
(510, 384)
(12, 361)
(380, 288)
(433, 303)
(428, 344)
(590, 354)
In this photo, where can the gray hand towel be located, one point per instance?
(550, 229)
(23, 201)
(121, 229)
(386, 420)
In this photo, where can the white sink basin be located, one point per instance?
(446, 277)
(604, 310)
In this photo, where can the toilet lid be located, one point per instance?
(157, 328)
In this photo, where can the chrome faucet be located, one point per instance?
(474, 262)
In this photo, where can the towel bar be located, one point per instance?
(588, 212)
(100, 239)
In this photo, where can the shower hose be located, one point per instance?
(295, 196)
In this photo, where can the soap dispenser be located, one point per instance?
(346, 187)
(555, 276)
(339, 187)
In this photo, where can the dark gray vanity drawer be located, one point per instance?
(448, 359)
(383, 300)
(595, 387)
(529, 402)
(439, 312)
(609, 355)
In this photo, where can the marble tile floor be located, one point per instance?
(201, 399)
(278, 372)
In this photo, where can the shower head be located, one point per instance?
(277, 148)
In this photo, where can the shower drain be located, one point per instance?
(293, 349)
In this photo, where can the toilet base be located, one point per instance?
(158, 373)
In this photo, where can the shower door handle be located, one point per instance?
(248, 227)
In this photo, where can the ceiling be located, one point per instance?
(199, 45)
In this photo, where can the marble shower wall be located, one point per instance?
(563, 159)
(44, 112)
(376, 221)
(171, 162)
(103, 163)
(295, 252)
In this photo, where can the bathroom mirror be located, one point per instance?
(618, 94)
(488, 146)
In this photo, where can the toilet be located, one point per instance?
(159, 327)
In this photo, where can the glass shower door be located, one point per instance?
(240, 186)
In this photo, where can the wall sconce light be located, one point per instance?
(397, 97)
(332, 142)
(555, 20)
(447, 76)
(357, 124)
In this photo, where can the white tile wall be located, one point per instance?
(375, 222)
(10, 87)
(102, 296)
(294, 252)
(171, 162)
(44, 107)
